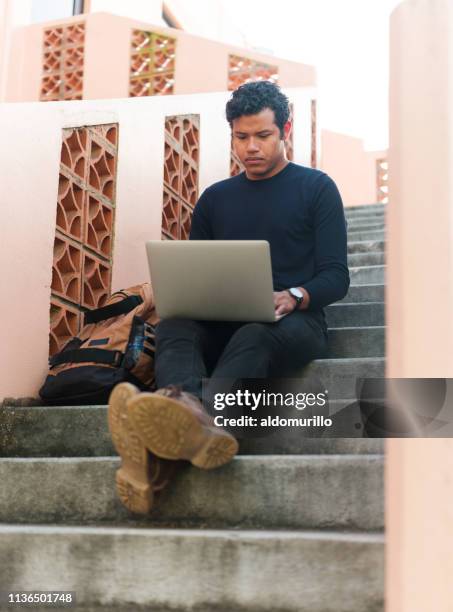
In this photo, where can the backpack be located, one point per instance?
(115, 344)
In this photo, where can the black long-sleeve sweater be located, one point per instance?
(300, 213)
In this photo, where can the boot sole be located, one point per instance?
(169, 430)
(132, 478)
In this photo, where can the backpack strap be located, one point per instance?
(112, 310)
(103, 356)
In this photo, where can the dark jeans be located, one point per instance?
(188, 351)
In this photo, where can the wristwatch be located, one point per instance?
(297, 295)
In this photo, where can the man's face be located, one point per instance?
(258, 144)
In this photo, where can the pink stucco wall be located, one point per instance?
(29, 160)
(352, 168)
(201, 64)
(419, 302)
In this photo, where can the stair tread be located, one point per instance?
(376, 536)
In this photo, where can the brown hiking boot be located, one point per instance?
(141, 475)
(173, 424)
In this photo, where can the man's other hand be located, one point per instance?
(283, 302)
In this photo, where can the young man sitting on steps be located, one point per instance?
(299, 211)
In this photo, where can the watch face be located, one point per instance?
(296, 292)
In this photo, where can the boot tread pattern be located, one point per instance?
(165, 426)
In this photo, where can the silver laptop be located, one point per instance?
(212, 280)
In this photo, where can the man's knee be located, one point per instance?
(177, 328)
(251, 335)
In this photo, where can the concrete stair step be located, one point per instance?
(340, 376)
(367, 275)
(124, 569)
(289, 441)
(347, 434)
(357, 342)
(366, 259)
(364, 216)
(360, 235)
(366, 246)
(364, 293)
(44, 432)
(295, 492)
(361, 314)
(366, 208)
(354, 226)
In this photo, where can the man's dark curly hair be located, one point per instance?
(252, 98)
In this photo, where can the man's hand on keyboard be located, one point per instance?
(283, 302)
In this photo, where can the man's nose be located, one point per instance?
(252, 145)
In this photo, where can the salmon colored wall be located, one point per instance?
(352, 168)
(419, 302)
(201, 64)
(29, 158)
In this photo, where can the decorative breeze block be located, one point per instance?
(152, 67)
(63, 62)
(85, 219)
(64, 323)
(181, 171)
(244, 70)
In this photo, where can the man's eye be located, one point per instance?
(240, 137)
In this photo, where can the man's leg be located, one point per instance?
(152, 430)
(186, 351)
(260, 350)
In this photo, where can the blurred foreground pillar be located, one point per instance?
(419, 473)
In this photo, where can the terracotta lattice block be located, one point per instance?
(182, 144)
(70, 207)
(141, 41)
(162, 84)
(84, 225)
(382, 175)
(73, 58)
(66, 270)
(102, 169)
(75, 34)
(244, 70)
(173, 129)
(64, 323)
(50, 88)
(191, 139)
(189, 183)
(140, 87)
(172, 167)
(152, 67)
(186, 222)
(74, 151)
(265, 72)
(52, 62)
(99, 226)
(53, 39)
(170, 215)
(108, 133)
(96, 281)
(313, 134)
(63, 61)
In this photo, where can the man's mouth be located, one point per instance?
(253, 160)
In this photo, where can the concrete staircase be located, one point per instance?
(293, 524)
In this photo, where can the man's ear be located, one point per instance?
(287, 129)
